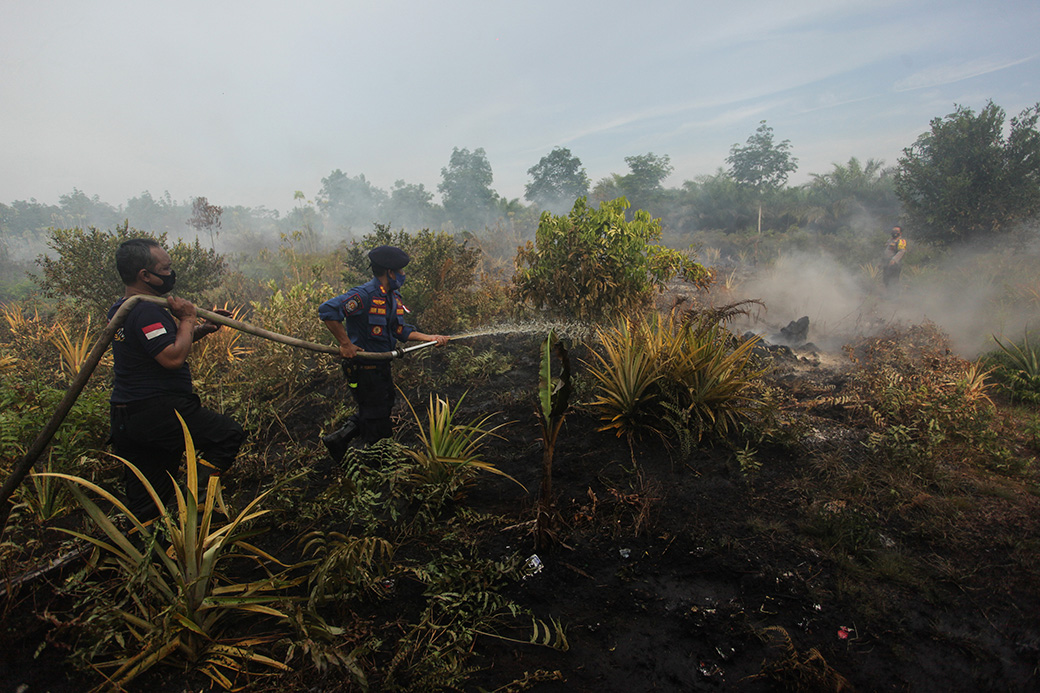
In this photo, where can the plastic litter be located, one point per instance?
(532, 566)
(625, 553)
(708, 670)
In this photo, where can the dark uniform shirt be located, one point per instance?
(374, 317)
(148, 330)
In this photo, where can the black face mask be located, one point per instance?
(168, 281)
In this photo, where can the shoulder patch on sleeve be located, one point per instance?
(351, 305)
(156, 329)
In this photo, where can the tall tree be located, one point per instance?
(411, 206)
(964, 177)
(349, 204)
(643, 186)
(466, 190)
(606, 189)
(557, 180)
(77, 209)
(714, 202)
(761, 163)
(163, 214)
(205, 218)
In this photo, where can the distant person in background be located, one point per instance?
(895, 249)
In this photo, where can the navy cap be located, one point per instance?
(388, 256)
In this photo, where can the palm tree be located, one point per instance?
(853, 189)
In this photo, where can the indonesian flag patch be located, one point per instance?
(154, 330)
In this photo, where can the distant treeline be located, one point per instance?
(348, 207)
(964, 178)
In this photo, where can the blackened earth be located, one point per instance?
(681, 573)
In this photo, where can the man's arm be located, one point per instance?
(898, 257)
(347, 349)
(174, 355)
(417, 336)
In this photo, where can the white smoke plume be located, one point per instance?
(971, 294)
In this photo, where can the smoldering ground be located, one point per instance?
(972, 293)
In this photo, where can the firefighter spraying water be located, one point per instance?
(155, 277)
(375, 321)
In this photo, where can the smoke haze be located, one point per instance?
(971, 294)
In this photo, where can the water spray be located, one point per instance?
(23, 465)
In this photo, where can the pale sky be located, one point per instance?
(245, 102)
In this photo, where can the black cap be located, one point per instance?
(389, 257)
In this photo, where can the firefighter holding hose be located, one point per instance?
(374, 317)
(153, 381)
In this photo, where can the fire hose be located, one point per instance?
(23, 465)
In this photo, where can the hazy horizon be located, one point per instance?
(246, 103)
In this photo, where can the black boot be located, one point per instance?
(338, 441)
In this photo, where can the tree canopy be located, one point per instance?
(964, 178)
(760, 163)
(205, 217)
(557, 180)
(466, 190)
(350, 204)
(83, 266)
(850, 192)
(643, 185)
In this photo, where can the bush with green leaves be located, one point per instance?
(277, 377)
(25, 406)
(687, 372)
(177, 602)
(83, 266)
(594, 264)
(1017, 365)
(972, 174)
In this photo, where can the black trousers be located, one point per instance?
(148, 434)
(374, 394)
(890, 275)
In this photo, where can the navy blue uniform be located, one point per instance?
(145, 395)
(375, 321)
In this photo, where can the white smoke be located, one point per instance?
(971, 294)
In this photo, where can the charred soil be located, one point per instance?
(681, 573)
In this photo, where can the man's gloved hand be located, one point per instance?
(208, 326)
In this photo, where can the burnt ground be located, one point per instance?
(680, 573)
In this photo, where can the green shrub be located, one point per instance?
(176, 602)
(85, 266)
(594, 264)
(690, 373)
(1018, 368)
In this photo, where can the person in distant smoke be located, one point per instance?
(375, 321)
(895, 249)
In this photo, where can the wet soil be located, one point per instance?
(680, 573)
